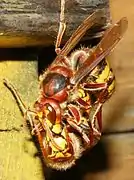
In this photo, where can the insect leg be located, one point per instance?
(80, 130)
(28, 114)
(16, 95)
(94, 86)
(62, 28)
(99, 118)
(40, 140)
(97, 109)
(94, 115)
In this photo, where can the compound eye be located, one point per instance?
(53, 83)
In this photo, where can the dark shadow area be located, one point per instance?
(45, 58)
(92, 161)
(47, 55)
(18, 54)
(44, 55)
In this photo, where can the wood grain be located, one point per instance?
(17, 152)
(31, 23)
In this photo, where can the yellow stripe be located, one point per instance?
(112, 86)
(86, 98)
(81, 93)
(105, 73)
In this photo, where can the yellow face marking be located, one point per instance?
(60, 142)
(56, 128)
(59, 155)
(68, 155)
(54, 148)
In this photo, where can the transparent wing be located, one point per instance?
(111, 37)
(78, 34)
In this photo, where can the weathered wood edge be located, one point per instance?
(29, 22)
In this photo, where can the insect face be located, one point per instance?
(60, 148)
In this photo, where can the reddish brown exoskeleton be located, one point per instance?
(67, 115)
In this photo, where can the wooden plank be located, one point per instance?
(28, 23)
(17, 152)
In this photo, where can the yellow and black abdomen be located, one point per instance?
(103, 73)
